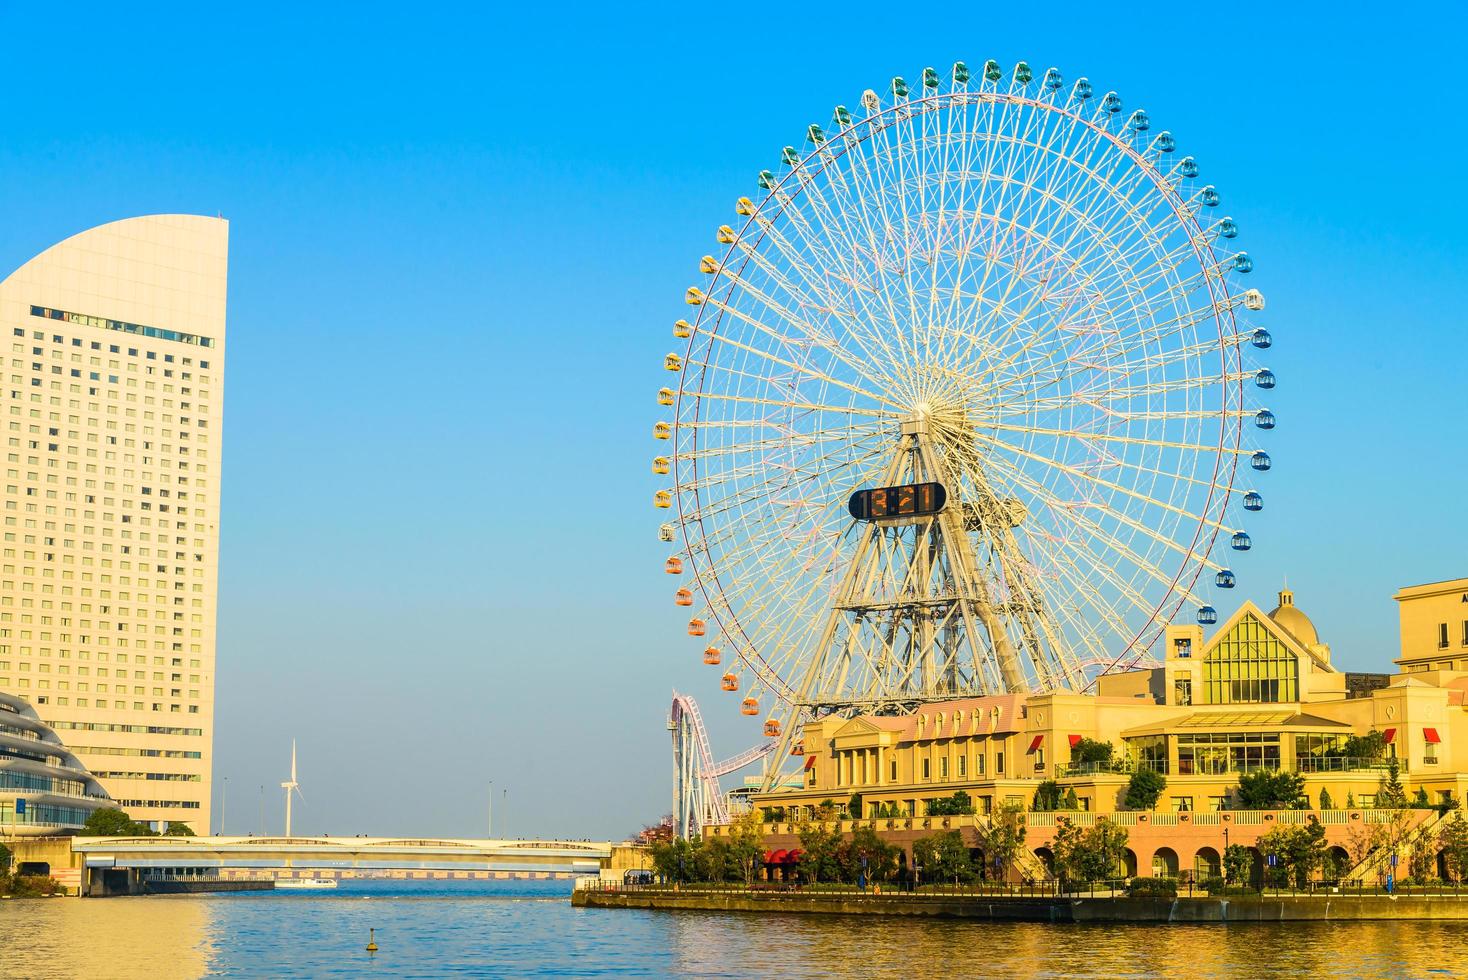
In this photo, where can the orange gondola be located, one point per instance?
(772, 728)
(683, 597)
(749, 707)
(696, 627)
(673, 566)
(712, 656)
(729, 682)
(799, 749)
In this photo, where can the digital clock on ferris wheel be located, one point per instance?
(895, 503)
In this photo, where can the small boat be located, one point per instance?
(305, 883)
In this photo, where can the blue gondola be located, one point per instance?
(1188, 167)
(1139, 123)
(1265, 378)
(1111, 102)
(1252, 501)
(1264, 419)
(1225, 579)
(1053, 79)
(1260, 461)
(1241, 542)
(1262, 339)
(1164, 143)
(1207, 615)
(1242, 263)
(1228, 228)
(1081, 89)
(1209, 196)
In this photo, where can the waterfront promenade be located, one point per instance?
(1041, 903)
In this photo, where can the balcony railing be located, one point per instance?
(1344, 764)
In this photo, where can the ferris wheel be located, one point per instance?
(965, 403)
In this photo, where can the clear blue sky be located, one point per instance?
(459, 235)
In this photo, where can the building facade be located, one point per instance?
(1260, 693)
(111, 392)
(43, 787)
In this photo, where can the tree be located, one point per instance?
(1004, 836)
(1420, 801)
(1368, 747)
(746, 843)
(1092, 854)
(712, 860)
(1069, 801)
(1144, 789)
(959, 803)
(1238, 864)
(1297, 851)
(5, 856)
(1265, 789)
(1047, 796)
(943, 857)
(1389, 792)
(674, 860)
(819, 848)
(1453, 839)
(176, 829)
(1326, 803)
(866, 853)
(1350, 800)
(112, 822)
(1090, 750)
(654, 832)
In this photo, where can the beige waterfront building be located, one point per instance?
(111, 393)
(1260, 693)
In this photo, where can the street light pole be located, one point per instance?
(489, 810)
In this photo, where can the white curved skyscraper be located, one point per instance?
(111, 395)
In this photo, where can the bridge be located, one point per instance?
(110, 865)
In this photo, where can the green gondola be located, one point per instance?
(930, 78)
(766, 180)
(815, 134)
(790, 157)
(1022, 73)
(899, 87)
(960, 73)
(992, 71)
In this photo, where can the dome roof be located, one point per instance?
(1295, 622)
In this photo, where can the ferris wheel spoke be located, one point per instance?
(1203, 519)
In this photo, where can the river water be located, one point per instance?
(427, 929)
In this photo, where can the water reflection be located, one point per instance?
(147, 938)
(518, 929)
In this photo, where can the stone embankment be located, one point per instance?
(1024, 908)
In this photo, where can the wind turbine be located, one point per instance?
(289, 786)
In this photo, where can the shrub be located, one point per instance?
(1144, 789)
(1152, 888)
(1213, 885)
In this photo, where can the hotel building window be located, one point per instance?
(1442, 636)
(943, 768)
(998, 763)
(927, 769)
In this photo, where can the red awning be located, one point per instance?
(770, 857)
(1389, 735)
(1075, 740)
(778, 857)
(1035, 743)
(810, 763)
(1431, 735)
(794, 856)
